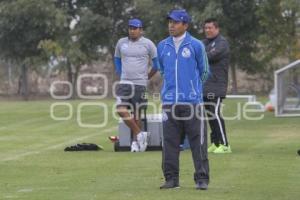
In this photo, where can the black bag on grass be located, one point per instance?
(84, 147)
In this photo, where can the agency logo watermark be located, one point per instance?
(96, 93)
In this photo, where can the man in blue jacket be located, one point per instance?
(184, 67)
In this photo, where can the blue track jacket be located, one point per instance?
(183, 73)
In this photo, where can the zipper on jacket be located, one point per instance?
(176, 69)
(176, 79)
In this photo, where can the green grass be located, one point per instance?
(33, 165)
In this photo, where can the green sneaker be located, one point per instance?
(212, 148)
(223, 149)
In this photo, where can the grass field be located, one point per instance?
(263, 165)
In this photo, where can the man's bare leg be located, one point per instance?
(138, 122)
(129, 121)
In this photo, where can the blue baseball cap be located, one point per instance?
(179, 16)
(135, 23)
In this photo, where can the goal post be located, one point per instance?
(287, 90)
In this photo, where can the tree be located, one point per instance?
(116, 15)
(80, 43)
(23, 24)
(272, 23)
(242, 30)
(95, 27)
(291, 10)
(156, 23)
(278, 37)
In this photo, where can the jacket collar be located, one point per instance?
(186, 40)
(212, 39)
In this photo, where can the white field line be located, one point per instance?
(16, 157)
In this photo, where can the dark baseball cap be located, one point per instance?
(135, 23)
(179, 16)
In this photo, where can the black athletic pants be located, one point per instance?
(216, 121)
(194, 126)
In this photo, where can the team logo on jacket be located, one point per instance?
(186, 53)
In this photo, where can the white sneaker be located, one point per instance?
(135, 147)
(142, 138)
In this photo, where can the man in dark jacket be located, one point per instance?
(215, 88)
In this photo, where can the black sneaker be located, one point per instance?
(170, 184)
(201, 186)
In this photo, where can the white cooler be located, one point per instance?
(153, 127)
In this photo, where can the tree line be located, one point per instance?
(78, 32)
